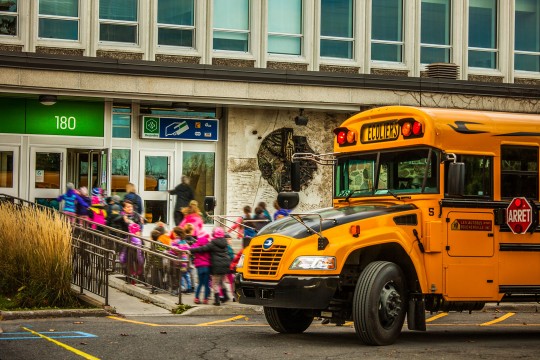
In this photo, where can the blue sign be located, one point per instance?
(154, 127)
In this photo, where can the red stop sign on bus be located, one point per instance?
(519, 215)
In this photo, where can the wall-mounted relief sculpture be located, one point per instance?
(274, 158)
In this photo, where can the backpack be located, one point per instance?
(249, 232)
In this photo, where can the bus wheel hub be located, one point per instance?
(390, 303)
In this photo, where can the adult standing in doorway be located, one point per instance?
(134, 198)
(184, 194)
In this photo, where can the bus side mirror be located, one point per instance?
(209, 203)
(456, 179)
(295, 176)
(288, 200)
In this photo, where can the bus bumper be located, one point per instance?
(298, 292)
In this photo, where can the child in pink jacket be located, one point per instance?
(202, 263)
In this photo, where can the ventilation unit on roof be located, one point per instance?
(443, 71)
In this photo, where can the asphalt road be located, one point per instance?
(482, 335)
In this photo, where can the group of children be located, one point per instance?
(193, 249)
(79, 203)
(210, 255)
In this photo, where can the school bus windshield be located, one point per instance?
(408, 171)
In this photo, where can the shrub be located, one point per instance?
(35, 256)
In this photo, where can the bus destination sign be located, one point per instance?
(379, 131)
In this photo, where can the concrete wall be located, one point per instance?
(247, 130)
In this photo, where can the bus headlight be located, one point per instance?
(314, 263)
(240, 262)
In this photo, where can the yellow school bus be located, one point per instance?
(433, 210)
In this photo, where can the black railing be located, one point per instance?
(92, 265)
(99, 250)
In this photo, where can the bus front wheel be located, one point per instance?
(379, 304)
(288, 321)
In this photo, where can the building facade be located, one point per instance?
(100, 93)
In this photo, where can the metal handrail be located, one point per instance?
(103, 242)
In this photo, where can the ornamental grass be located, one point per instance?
(35, 257)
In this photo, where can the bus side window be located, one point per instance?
(519, 171)
(478, 175)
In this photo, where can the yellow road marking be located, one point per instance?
(184, 325)
(132, 321)
(502, 318)
(222, 321)
(435, 317)
(67, 347)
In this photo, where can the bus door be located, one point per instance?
(87, 167)
(155, 179)
(9, 170)
(47, 169)
(471, 269)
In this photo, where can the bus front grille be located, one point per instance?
(265, 262)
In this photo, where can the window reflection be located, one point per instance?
(156, 173)
(387, 30)
(6, 169)
(483, 33)
(47, 171)
(201, 169)
(120, 170)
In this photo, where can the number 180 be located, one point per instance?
(64, 122)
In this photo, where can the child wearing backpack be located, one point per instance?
(181, 249)
(97, 211)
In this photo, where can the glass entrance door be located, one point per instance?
(9, 170)
(155, 179)
(87, 167)
(47, 169)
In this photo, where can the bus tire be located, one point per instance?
(379, 303)
(288, 321)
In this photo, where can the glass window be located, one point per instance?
(519, 172)
(231, 25)
(121, 122)
(118, 21)
(176, 23)
(435, 31)
(483, 34)
(337, 28)
(49, 164)
(59, 19)
(527, 38)
(387, 30)
(8, 17)
(285, 27)
(120, 167)
(200, 167)
(478, 175)
(156, 169)
(398, 172)
(6, 169)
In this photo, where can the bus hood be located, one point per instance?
(330, 217)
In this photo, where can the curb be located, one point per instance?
(98, 310)
(521, 307)
(40, 314)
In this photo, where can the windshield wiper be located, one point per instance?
(351, 194)
(396, 196)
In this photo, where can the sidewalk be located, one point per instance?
(129, 299)
(136, 300)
